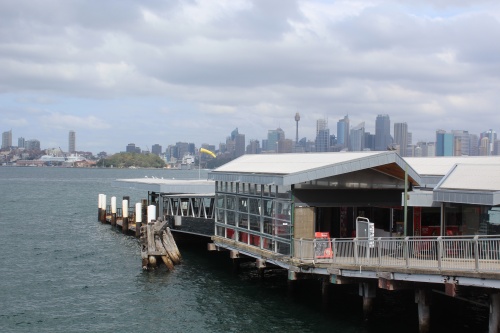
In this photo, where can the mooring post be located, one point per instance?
(494, 322)
(99, 207)
(291, 283)
(144, 206)
(103, 208)
(125, 216)
(113, 211)
(235, 256)
(423, 299)
(325, 284)
(151, 213)
(138, 219)
(368, 291)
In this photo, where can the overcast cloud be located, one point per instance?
(122, 71)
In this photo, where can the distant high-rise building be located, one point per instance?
(343, 132)
(322, 136)
(71, 142)
(273, 136)
(461, 142)
(382, 132)
(492, 136)
(253, 147)
(21, 143)
(156, 149)
(484, 147)
(182, 149)
(357, 138)
(496, 148)
(401, 137)
(444, 143)
(369, 141)
(33, 145)
(239, 145)
(7, 139)
(130, 148)
(285, 146)
(473, 145)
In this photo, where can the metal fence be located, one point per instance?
(459, 253)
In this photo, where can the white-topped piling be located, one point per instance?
(151, 213)
(103, 208)
(138, 219)
(125, 216)
(99, 207)
(113, 211)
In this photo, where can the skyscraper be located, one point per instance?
(343, 132)
(444, 143)
(239, 145)
(322, 135)
(357, 139)
(382, 132)
(72, 142)
(273, 136)
(461, 141)
(21, 142)
(156, 149)
(7, 139)
(401, 137)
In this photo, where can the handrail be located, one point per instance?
(479, 253)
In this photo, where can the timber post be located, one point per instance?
(494, 320)
(138, 219)
(99, 207)
(325, 284)
(113, 211)
(368, 291)
(423, 299)
(103, 208)
(125, 215)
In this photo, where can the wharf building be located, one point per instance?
(373, 219)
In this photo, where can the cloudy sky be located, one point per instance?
(162, 71)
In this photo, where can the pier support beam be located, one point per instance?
(325, 285)
(368, 291)
(235, 256)
(494, 324)
(423, 299)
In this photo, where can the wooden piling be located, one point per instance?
(113, 211)
(138, 219)
(368, 291)
(99, 200)
(423, 299)
(494, 320)
(125, 216)
(103, 208)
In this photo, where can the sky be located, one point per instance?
(160, 72)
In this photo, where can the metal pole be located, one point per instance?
(406, 200)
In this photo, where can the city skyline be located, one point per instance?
(189, 71)
(446, 142)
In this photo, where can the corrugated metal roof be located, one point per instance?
(476, 177)
(285, 164)
(288, 169)
(440, 166)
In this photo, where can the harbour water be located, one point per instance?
(62, 271)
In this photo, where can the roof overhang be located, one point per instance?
(266, 168)
(170, 186)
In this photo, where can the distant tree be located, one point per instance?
(127, 160)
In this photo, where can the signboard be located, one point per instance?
(322, 245)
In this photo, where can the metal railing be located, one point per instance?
(457, 253)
